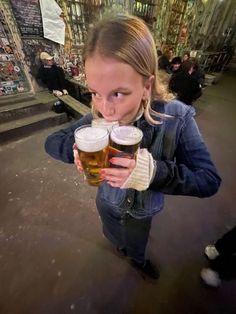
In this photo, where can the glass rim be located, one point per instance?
(89, 126)
(120, 141)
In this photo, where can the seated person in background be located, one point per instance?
(186, 56)
(197, 73)
(184, 85)
(52, 75)
(171, 54)
(159, 53)
(164, 61)
(175, 65)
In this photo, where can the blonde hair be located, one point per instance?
(128, 39)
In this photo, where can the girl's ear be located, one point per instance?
(148, 87)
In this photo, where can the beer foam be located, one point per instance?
(126, 135)
(102, 123)
(90, 139)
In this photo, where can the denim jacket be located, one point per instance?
(183, 164)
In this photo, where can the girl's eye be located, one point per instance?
(94, 94)
(117, 94)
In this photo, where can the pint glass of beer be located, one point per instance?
(124, 141)
(92, 144)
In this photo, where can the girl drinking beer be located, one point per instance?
(121, 70)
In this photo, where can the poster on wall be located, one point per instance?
(28, 17)
(11, 77)
(53, 23)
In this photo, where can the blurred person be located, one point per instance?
(186, 56)
(222, 260)
(171, 54)
(164, 60)
(159, 53)
(186, 88)
(175, 65)
(198, 74)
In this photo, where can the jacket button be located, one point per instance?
(128, 200)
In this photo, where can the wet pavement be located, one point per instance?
(54, 259)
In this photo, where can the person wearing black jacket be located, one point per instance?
(52, 75)
(164, 61)
(184, 85)
(175, 65)
(198, 74)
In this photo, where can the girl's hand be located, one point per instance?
(117, 176)
(77, 161)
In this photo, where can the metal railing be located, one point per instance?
(213, 61)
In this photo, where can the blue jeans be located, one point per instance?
(125, 231)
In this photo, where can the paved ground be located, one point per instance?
(54, 259)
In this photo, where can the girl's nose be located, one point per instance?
(107, 107)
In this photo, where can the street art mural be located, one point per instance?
(12, 79)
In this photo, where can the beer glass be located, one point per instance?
(102, 123)
(124, 141)
(92, 144)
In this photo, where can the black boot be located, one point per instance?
(121, 252)
(146, 268)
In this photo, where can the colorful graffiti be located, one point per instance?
(12, 79)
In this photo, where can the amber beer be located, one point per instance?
(124, 141)
(92, 144)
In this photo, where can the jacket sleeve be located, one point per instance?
(41, 76)
(172, 84)
(61, 77)
(196, 90)
(192, 171)
(59, 145)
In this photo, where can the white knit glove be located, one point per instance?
(57, 93)
(141, 177)
(65, 92)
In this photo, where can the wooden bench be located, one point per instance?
(75, 104)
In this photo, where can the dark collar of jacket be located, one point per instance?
(161, 139)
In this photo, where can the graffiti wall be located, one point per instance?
(12, 78)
